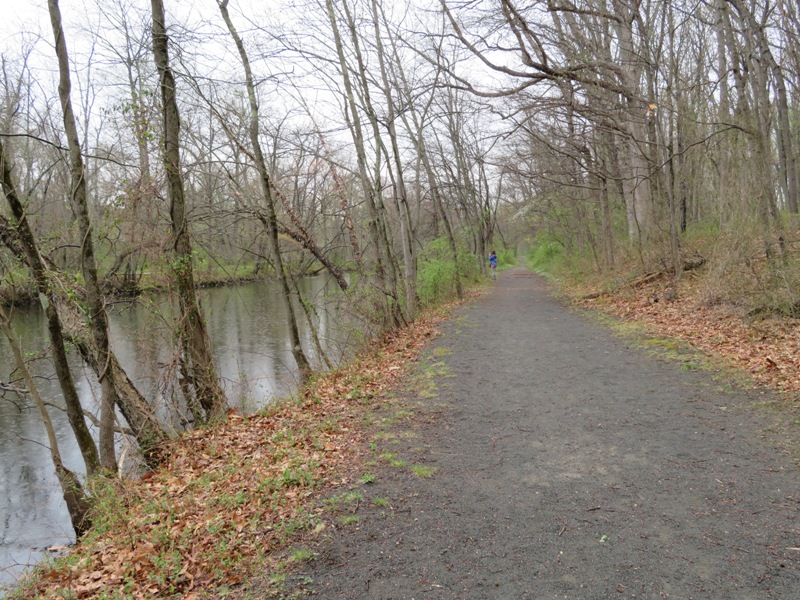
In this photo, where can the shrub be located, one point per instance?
(506, 258)
(546, 254)
(436, 271)
(435, 281)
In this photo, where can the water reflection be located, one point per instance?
(247, 326)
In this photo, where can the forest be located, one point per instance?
(388, 146)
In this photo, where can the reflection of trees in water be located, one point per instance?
(254, 363)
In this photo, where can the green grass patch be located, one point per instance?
(423, 471)
(301, 555)
(347, 500)
(348, 520)
(392, 459)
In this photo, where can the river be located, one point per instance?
(247, 327)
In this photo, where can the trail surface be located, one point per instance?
(569, 465)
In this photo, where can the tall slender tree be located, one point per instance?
(97, 318)
(267, 193)
(197, 362)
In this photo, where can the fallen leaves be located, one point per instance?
(768, 349)
(229, 494)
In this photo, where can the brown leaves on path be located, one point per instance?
(229, 495)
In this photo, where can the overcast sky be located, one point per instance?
(199, 35)
(25, 24)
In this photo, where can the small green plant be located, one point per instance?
(351, 499)
(381, 502)
(278, 578)
(233, 500)
(368, 478)
(301, 554)
(296, 477)
(423, 471)
(331, 425)
(393, 460)
(349, 520)
(288, 528)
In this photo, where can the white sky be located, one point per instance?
(23, 22)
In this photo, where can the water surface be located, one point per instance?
(247, 327)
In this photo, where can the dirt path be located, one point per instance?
(569, 466)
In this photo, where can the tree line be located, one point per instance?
(653, 116)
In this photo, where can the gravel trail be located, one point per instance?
(568, 465)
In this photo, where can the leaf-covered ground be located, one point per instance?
(230, 495)
(768, 349)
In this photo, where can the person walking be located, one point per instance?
(493, 264)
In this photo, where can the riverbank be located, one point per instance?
(23, 293)
(247, 328)
(230, 496)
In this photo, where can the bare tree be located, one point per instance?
(267, 192)
(199, 375)
(98, 321)
(384, 269)
(406, 222)
(415, 116)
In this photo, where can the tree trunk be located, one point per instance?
(758, 117)
(304, 238)
(98, 322)
(367, 186)
(406, 229)
(266, 190)
(636, 173)
(384, 245)
(196, 357)
(139, 415)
